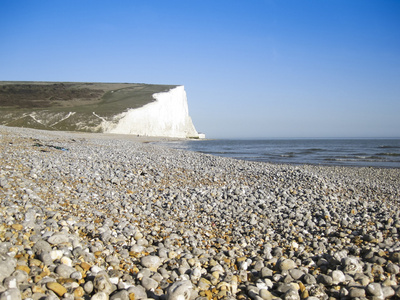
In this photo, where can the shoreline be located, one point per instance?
(93, 216)
(311, 152)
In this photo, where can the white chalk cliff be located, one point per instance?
(167, 116)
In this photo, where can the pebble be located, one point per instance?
(121, 295)
(11, 294)
(58, 238)
(152, 262)
(102, 283)
(338, 277)
(137, 292)
(7, 267)
(64, 270)
(356, 292)
(375, 290)
(100, 296)
(114, 218)
(286, 264)
(56, 288)
(180, 290)
(149, 283)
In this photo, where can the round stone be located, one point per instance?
(151, 262)
(102, 283)
(286, 264)
(180, 290)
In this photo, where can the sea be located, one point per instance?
(384, 153)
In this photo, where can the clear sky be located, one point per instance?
(256, 68)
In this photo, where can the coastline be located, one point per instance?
(126, 216)
(380, 153)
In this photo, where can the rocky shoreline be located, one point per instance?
(111, 218)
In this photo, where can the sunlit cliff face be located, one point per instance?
(168, 116)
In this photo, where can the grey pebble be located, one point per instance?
(88, 287)
(100, 296)
(11, 294)
(139, 291)
(180, 290)
(393, 268)
(64, 270)
(102, 283)
(151, 262)
(7, 267)
(356, 292)
(120, 295)
(58, 238)
(149, 283)
(286, 264)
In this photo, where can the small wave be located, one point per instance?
(388, 154)
(356, 159)
(221, 152)
(287, 155)
(312, 150)
(389, 147)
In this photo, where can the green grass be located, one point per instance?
(54, 100)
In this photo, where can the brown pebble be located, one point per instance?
(45, 272)
(23, 268)
(56, 288)
(65, 280)
(85, 266)
(208, 294)
(35, 262)
(17, 226)
(304, 294)
(79, 292)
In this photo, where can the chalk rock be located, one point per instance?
(121, 295)
(375, 289)
(152, 262)
(180, 290)
(11, 294)
(56, 254)
(149, 283)
(352, 265)
(7, 267)
(286, 264)
(41, 246)
(100, 296)
(138, 291)
(64, 270)
(338, 277)
(103, 284)
(58, 238)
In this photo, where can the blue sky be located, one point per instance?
(259, 68)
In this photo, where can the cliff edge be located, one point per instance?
(167, 116)
(123, 108)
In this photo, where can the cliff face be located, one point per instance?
(124, 108)
(167, 116)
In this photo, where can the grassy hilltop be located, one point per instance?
(70, 106)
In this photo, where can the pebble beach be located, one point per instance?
(91, 216)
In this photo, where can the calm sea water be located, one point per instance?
(338, 152)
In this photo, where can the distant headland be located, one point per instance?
(123, 108)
